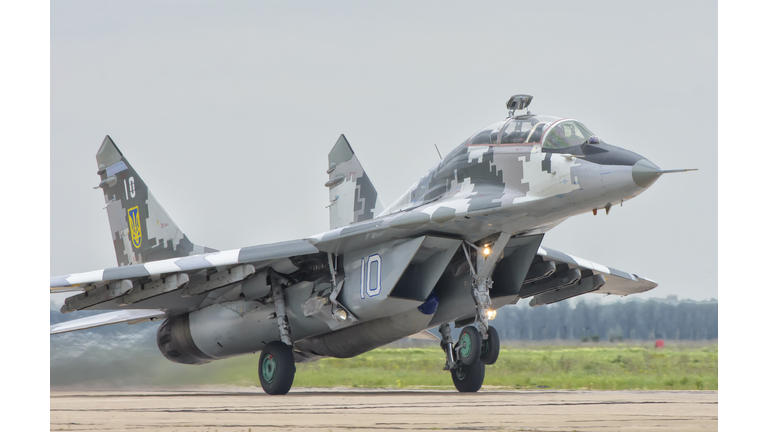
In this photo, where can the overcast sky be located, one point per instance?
(228, 110)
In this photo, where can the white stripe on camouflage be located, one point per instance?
(160, 267)
(82, 278)
(245, 255)
(579, 262)
(164, 266)
(224, 257)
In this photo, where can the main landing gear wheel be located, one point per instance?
(490, 350)
(276, 368)
(468, 378)
(469, 345)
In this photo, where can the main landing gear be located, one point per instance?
(468, 358)
(277, 366)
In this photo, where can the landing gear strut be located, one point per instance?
(446, 343)
(482, 282)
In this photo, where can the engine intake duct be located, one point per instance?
(175, 342)
(585, 285)
(519, 263)
(364, 337)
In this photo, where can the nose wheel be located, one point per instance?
(276, 368)
(489, 352)
(472, 354)
(469, 346)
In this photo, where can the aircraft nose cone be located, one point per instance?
(645, 173)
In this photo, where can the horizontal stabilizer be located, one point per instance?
(115, 317)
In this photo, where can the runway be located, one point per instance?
(250, 410)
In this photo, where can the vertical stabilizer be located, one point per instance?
(142, 230)
(353, 197)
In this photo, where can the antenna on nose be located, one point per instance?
(660, 172)
(517, 102)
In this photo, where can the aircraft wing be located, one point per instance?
(617, 282)
(121, 316)
(160, 285)
(556, 276)
(252, 254)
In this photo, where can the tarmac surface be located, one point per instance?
(250, 410)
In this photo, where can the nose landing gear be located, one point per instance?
(477, 346)
(469, 346)
(471, 355)
(489, 352)
(468, 378)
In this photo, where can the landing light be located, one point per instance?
(340, 315)
(486, 251)
(491, 314)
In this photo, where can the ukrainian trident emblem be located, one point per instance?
(135, 225)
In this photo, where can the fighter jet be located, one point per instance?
(462, 242)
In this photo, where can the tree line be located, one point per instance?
(567, 320)
(622, 320)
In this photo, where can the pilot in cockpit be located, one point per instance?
(566, 135)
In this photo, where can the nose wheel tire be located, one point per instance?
(469, 345)
(489, 352)
(468, 378)
(276, 368)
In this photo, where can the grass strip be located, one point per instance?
(615, 367)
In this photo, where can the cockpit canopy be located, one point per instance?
(567, 133)
(530, 129)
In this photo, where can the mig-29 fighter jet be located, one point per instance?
(463, 241)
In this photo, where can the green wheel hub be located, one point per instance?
(268, 368)
(465, 350)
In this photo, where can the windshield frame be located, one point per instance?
(551, 128)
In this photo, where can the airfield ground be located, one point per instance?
(249, 409)
(601, 366)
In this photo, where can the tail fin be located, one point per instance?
(353, 197)
(142, 231)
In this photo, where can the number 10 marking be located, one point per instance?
(370, 276)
